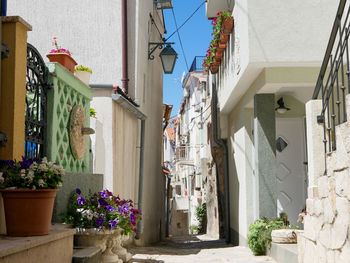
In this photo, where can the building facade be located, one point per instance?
(128, 124)
(271, 60)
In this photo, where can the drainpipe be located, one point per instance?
(223, 144)
(125, 78)
(142, 143)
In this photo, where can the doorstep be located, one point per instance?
(57, 246)
(284, 253)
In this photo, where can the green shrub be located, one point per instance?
(201, 215)
(82, 68)
(194, 230)
(259, 237)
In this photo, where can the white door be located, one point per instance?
(291, 174)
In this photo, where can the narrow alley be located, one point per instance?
(195, 249)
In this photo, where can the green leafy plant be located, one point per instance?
(82, 68)
(217, 25)
(30, 173)
(259, 237)
(194, 230)
(92, 113)
(201, 215)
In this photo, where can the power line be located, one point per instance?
(178, 34)
(177, 29)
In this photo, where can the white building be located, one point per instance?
(275, 51)
(192, 145)
(93, 32)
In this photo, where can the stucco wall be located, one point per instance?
(270, 34)
(91, 30)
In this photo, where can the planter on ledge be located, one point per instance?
(221, 47)
(28, 212)
(64, 59)
(227, 26)
(84, 76)
(217, 60)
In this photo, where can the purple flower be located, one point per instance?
(99, 221)
(78, 191)
(124, 209)
(133, 219)
(81, 200)
(101, 201)
(112, 224)
(109, 208)
(103, 194)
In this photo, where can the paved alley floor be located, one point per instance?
(195, 249)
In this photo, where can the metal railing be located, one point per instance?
(333, 83)
(197, 64)
(183, 153)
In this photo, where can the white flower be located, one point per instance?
(80, 210)
(43, 167)
(23, 173)
(33, 165)
(41, 182)
(44, 160)
(59, 184)
(90, 216)
(2, 179)
(33, 188)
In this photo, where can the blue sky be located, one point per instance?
(195, 36)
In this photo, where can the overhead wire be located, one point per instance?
(177, 29)
(178, 34)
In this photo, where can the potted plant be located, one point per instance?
(62, 56)
(29, 188)
(101, 219)
(83, 73)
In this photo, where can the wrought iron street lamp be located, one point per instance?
(168, 55)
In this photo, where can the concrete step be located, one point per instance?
(284, 253)
(87, 255)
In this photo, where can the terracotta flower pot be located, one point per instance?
(64, 59)
(214, 69)
(217, 60)
(28, 212)
(227, 26)
(221, 47)
(219, 54)
(223, 38)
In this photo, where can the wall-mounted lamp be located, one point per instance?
(281, 109)
(163, 4)
(168, 55)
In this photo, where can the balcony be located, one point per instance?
(183, 155)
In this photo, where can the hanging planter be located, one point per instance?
(223, 38)
(227, 26)
(221, 47)
(214, 68)
(217, 60)
(219, 54)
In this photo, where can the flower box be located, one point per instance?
(227, 26)
(223, 38)
(214, 69)
(64, 59)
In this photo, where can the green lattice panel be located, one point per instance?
(66, 93)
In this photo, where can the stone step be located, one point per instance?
(284, 253)
(87, 255)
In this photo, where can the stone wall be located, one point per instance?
(326, 236)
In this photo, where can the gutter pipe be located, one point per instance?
(138, 114)
(125, 77)
(223, 144)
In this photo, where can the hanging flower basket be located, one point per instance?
(221, 47)
(227, 26)
(214, 68)
(217, 61)
(223, 38)
(28, 212)
(64, 59)
(219, 54)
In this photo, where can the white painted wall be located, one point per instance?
(272, 33)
